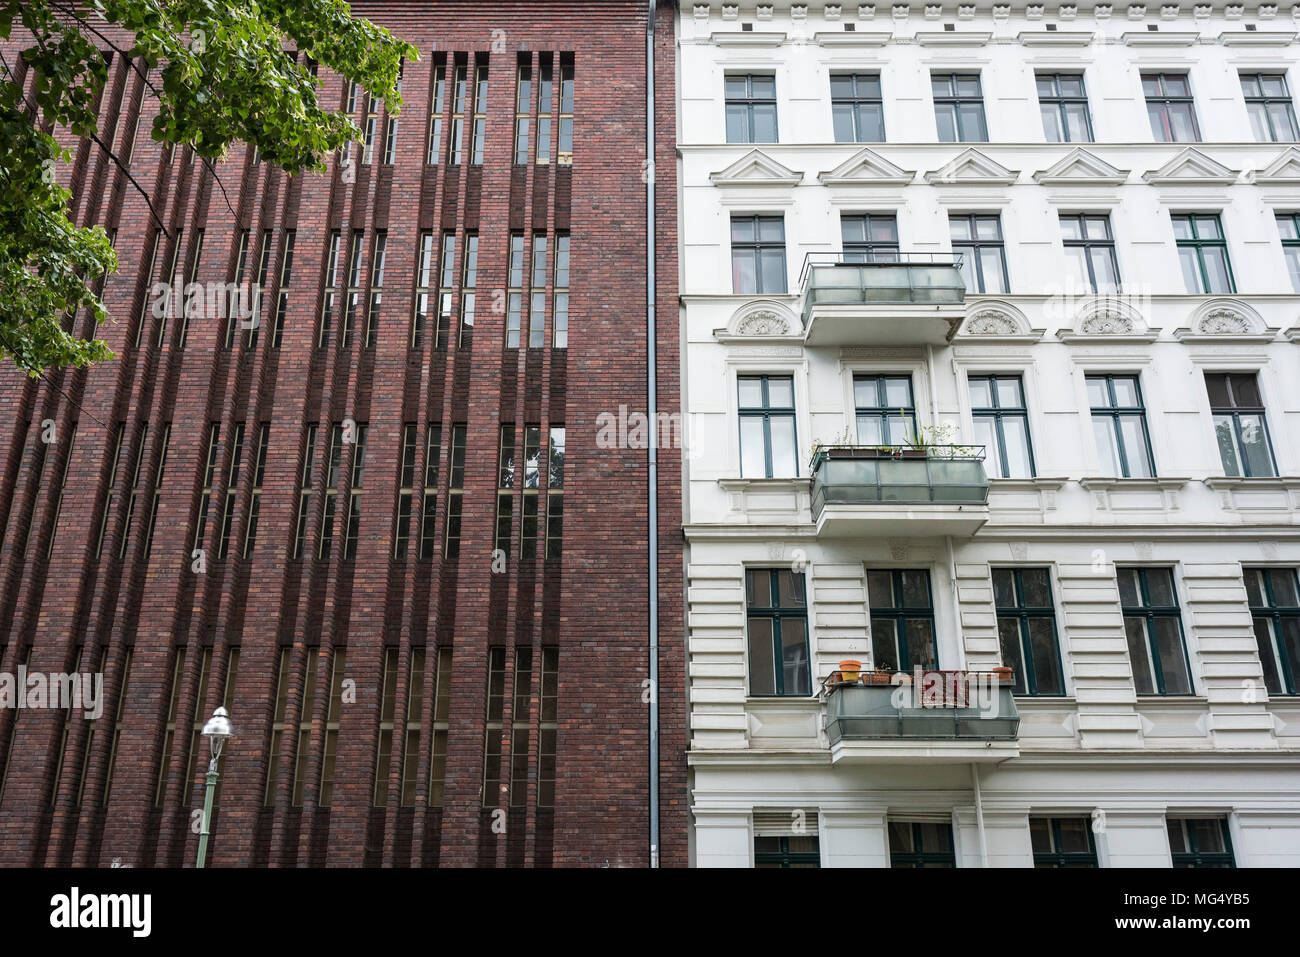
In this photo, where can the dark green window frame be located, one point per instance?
(1288, 227)
(777, 852)
(924, 857)
(766, 412)
(749, 106)
(1051, 854)
(970, 251)
(1027, 667)
(858, 232)
(1239, 388)
(1091, 245)
(962, 105)
(1271, 618)
(857, 98)
(1065, 105)
(998, 413)
(1192, 854)
(1116, 413)
(1198, 243)
(1148, 614)
(902, 621)
(1270, 113)
(778, 616)
(1169, 96)
(879, 409)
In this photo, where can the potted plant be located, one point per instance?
(1006, 675)
(850, 669)
(880, 676)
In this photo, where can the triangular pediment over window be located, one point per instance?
(1193, 166)
(1283, 171)
(1081, 168)
(866, 168)
(756, 168)
(972, 168)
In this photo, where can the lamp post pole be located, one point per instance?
(217, 730)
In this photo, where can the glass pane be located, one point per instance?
(1135, 446)
(970, 119)
(1076, 122)
(1009, 393)
(946, 122)
(1103, 430)
(1135, 632)
(1105, 275)
(1216, 386)
(1160, 588)
(1040, 835)
(842, 117)
(737, 123)
(900, 837)
(1015, 433)
(1173, 663)
(1283, 121)
(1175, 84)
(1076, 268)
(744, 270)
(1293, 265)
(871, 123)
(1177, 838)
(1071, 85)
(1074, 835)
(772, 271)
(864, 392)
(898, 393)
(764, 87)
(1264, 638)
(1290, 642)
(916, 588)
(1245, 389)
(784, 454)
(790, 589)
(751, 392)
(1283, 583)
(762, 678)
(1009, 642)
(1254, 445)
(1004, 594)
(884, 654)
(794, 654)
(880, 590)
(1126, 391)
(753, 451)
(986, 436)
(841, 85)
(1036, 588)
(960, 228)
(981, 393)
(1254, 587)
(1053, 128)
(759, 587)
(1287, 227)
(1047, 665)
(1258, 113)
(1129, 595)
(1207, 835)
(1098, 397)
(869, 430)
(992, 268)
(1216, 269)
(735, 87)
(920, 643)
(988, 227)
(764, 123)
(1046, 85)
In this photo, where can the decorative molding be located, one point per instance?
(998, 321)
(1283, 171)
(739, 38)
(971, 167)
(1160, 38)
(1226, 320)
(1191, 167)
(1058, 38)
(763, 319)
(1256, 38)
(1081, 168)
(956, 38)
(756, 168)
(866, 168)
(852, 38)
(1108, 319)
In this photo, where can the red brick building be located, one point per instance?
(299, 521)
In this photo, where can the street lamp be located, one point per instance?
(216, 731)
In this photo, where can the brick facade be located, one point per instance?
(59, 604)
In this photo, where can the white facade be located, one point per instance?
(1127, 763)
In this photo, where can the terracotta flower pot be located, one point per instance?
(850, 669)
(1005, 674)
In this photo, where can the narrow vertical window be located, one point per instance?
(157, 490)
(523, 108)
(1090, 252)
(479, 130)
(455, 491)
(209, 478)
(333, 468)
(118, 724)
(330, 752)
(232, 482)
(255, 501)
(441, 724)
(1170, 107)
(423, 288)
(146, 303)
(305, 479)
(286, 277)
(521, 727)
(278, 719)
(169, 734)
(548, 727)
(63, 485)
(545, 105)
(1203, 253)
(560, 330)
(136, 468)
(777, 624)
(390, 140)
(1288, 227)
(505, 486)
(353, 303)
(405, 492)
(1154, 629)
(188, 301)
(1027, 629)
(468, 296)
(387, 714)
(118, 440)
(977, 239)
(1268, 103)
(959, 107)
(259, 293)
(236, 298)
(537, 303)
(353, 524)
(514, 292)
(174, 279)
(439, 104)
(376, 288)
(1063, 104)
(768, 447)
(330, 301)
(446, 290)
(494, 727)
(459, 105)
(564, 155)
(758, 254)
(751, 108)
(411, 744)
(857, 108)
(1240, 427)
(307, 708)
(554, 495)
(429, 500)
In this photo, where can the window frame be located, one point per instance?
(749, 101)
(1288, 671)
(783, 857)
(883, 411)
(921, 859)
(997, 413)
(1165, 100)
(868, 249)
(1057, 858)
(855, 102)
(754, 248)
(1265, 100)
(1088, 244)
(1023, 614)
(1290, 245)
(953, 100)
(1193, 857)
(1116, 412)
(899, 615)
(1199, 244)
(1149, 613)
(776, 614)
(1235, 411)
(969, 249)
(765, 412)
(1060, 101)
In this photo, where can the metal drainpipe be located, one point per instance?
(652, 413)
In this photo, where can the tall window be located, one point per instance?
(438, 105)
(305, 479)
(758, 254)
(857, 108)
(1154, 629)
(187, 307)
(174, 277)
(565, 152)
(306, 713)
(560, 334)
(1288, 227)
(259, 475)
(977, 239)
(537, 298)
(1119, 424)
(118, 447)
(902, 619)
(917, 844)
(330, 300)
(411, 746)
(333, 709)
(146, 302)
(446, 289)
(468, 296)
(441, 724)
(377, 264)
(1001, 423)
(869, 238)
(117, 727)
(1200, 842)
(478, 131)
(259, 293)
(1268, 103)
(1062, 842)
(1063, 103)
(506, 485)
(286, 277)
(387, 716)
(352, 305)
(1239, 424)
(545, 108)
(429, 499)
(157, 489)
(333, 470)
(1203, 253)
(885, 410)
(241, 254)
(554, 493)
(751, 108)
(523, 108)
(369, 123)
(548, 727)
(1027, 629)
(405, 491)
(778, 633)
(209, 482)
(494, 727)
(136, 470)
(169, 733)
(1170, 107)
(515, 290)
(352, 531)
(767, 430)
(1090, 252)
(423, 288)
(459, 107)
(959, 107)
(1274, 599)
(455, 492)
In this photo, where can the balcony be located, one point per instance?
(897, 299)
(929, 717)
(933, 490)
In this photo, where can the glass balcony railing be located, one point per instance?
(984, 711)
(872, 475)
(890, 278)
